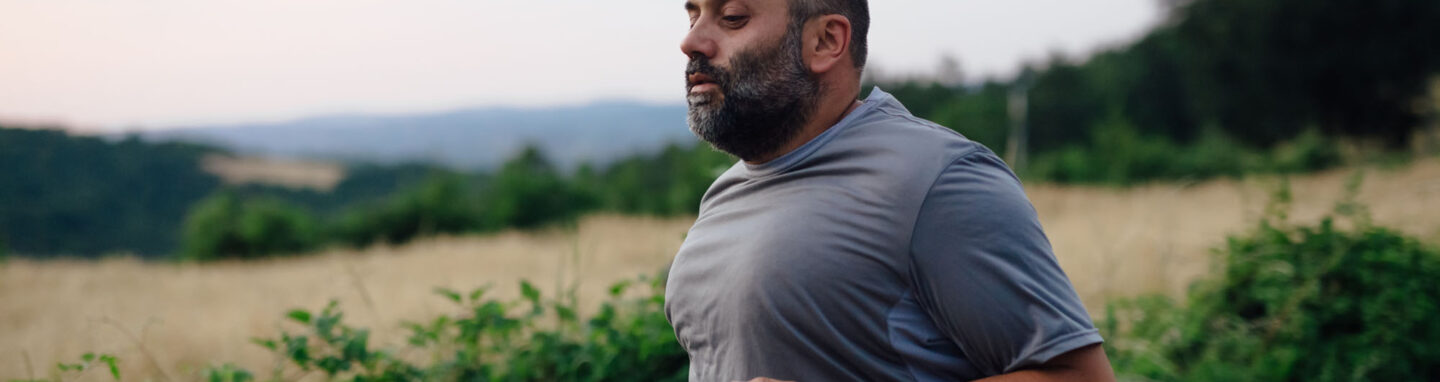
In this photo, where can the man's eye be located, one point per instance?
(734, 20)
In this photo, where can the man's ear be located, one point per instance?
(827, 43)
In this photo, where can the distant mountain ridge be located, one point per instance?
(476, 138)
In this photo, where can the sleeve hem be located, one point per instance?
(1056, 347)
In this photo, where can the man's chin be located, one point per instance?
(704, 99)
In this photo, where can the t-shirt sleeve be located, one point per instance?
(985, 273)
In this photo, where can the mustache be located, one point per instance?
(701, 65)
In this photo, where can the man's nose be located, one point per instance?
(699, 42)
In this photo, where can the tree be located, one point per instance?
(528, 192)
(225, 226)
(1267, 69)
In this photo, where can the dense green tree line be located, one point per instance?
(526, 192)
(1228, 86)
(1260, 71)
(86, 196)
(62, 194)
(70, 195)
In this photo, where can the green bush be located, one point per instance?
(1342, 300)
(981, 115)
(529, 192)
(531, 339)
(1119, 154)
(444, 203)
(226, 373)
(226, 226)
(667, 184)
(1309, 151)
(1215, 154)
(88, 363)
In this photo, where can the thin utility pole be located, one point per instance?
(1016, 145)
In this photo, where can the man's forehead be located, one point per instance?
(695, 5)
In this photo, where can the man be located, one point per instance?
(854, 241)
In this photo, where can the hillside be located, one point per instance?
(471, 139)
(75, 195)
(1111, 242)
(116, 196)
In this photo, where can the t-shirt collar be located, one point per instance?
(876, 99)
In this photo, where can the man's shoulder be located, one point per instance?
(922, 144)
(888, 122)
(940, 153)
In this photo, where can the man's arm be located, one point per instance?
(1084, 364)
(985, 273)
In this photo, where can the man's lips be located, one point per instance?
(699, 82)
(703, 87)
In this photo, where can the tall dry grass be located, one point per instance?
(167, 321)
(189, 315)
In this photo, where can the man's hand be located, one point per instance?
(1084, 364)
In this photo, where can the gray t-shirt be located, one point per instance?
(888, 248)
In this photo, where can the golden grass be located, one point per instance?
(1111, 242)
(191, 315)
(320, 176)
(1158, 238)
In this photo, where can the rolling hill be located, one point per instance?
(470, 139)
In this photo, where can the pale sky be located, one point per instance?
(110, 65)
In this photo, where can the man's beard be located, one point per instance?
(765, 98)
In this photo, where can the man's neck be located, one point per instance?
(829, 111)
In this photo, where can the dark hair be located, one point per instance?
(858, 11)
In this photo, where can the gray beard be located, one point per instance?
(768, 96)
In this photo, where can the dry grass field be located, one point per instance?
(167, 321)
(321, 176)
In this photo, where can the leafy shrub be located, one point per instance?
(488, 340)
(443, 203)
(1119, 154)
(78, 369)
(91, 360)
(1215, 154)
(226, 373)
(1308, 151)
(1294, 303)
(981, 115)
(528, 192)
(226, 226)
(669, 183)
